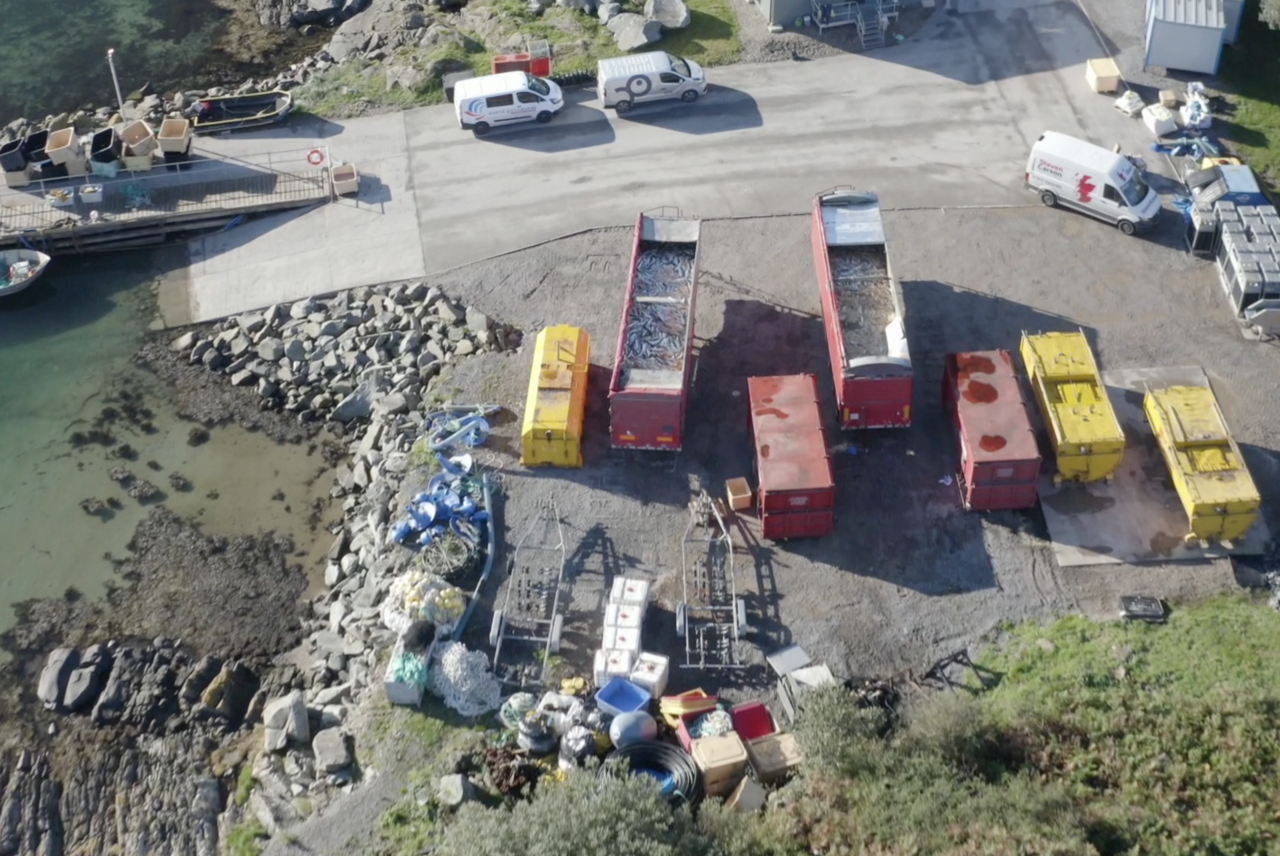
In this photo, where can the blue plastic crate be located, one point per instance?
(620, 696)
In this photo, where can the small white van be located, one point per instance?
(624, 81)
(504, 99)
(1075, 174)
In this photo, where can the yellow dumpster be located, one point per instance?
(1086, 436)
(553, 412)
(1216, 489)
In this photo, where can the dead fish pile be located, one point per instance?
(664, 273)
(655, 337)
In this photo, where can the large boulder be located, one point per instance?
(331, 750)
(671, 14)
(285, 720)
(86, 681)
(608, 11)
(632, 32)
(53, 678)
(357, 405)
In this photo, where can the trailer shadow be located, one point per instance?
(757, 338)
(722, 109)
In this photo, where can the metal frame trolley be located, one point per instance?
(530, 613)
(711, 617)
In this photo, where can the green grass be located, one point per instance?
(244, 784)
(577, 40)
(247, 838)
(1252, 74)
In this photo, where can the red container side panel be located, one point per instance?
(999, 497)
(653, 420)
(1000, 459)
(868, 403)
(783, 526)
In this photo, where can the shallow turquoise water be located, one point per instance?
(66, 348)
(53, 52)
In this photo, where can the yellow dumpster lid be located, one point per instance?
(1062, 356)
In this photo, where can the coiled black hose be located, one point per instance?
(685, 786)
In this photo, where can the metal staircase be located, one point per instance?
(869, 29)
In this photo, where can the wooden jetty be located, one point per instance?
(137, 209)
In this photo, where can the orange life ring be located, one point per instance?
(316, 157)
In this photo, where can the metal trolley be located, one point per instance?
(530, 613)
(711, 617)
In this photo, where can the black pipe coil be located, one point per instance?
(662, 758)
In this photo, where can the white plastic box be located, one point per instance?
(631, 592)
(611, 664)
(406, 694)
(1159, 120)
(651, 671)
(623, 615)
(622, 639)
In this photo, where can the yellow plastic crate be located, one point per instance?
(1086, 436)
(1204, 461)
(551, 434)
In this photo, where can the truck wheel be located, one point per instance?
(480, 128)
(543, 118)
(622, 107)
(1127, 227)
(689, 96)
(1048, 198)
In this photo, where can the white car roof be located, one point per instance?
(490, 84)
(625, 66)
(1077, 151)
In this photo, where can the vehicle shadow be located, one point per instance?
(578, 126)
(722, 109)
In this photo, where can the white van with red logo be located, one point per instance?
(505, 99)
(1075, 174)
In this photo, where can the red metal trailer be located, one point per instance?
(797, 495)
(999, 457)
(862, 310)
(654, 362)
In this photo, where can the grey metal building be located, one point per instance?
(1186, 35)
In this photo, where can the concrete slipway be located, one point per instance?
(945, 119)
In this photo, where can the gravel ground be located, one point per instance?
(908, 576)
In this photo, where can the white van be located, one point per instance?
(504, 99)
(624, 81)
(1075, 174)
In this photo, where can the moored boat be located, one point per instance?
(240, 112)
(19, 269)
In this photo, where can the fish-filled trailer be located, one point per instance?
(654, 363)
(862, 311)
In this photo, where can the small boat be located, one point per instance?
(239, 112)
(20, 268)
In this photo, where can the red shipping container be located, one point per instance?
(793, 468)
(511, 62)
(999, 456)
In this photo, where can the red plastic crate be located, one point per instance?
(752, 720)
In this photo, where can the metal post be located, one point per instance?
(115, 80)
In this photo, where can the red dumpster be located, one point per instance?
(797, 494)
(999, 457)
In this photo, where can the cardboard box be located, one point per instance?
(775, 757)
(722, 760)
(740, 495)
(747, 798)
(1169, 97)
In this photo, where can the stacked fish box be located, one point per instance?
(1249, 253)
(620, 655)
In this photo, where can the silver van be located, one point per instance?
(624, 81)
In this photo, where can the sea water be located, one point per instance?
(66, 349)
(53, 53)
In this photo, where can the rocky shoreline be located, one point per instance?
(132, 717)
